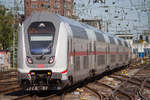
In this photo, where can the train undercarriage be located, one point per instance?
(41, 80)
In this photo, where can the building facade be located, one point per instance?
(93, 22)
(62, 7)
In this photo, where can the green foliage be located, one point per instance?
(6, 28)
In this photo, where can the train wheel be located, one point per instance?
(70, 80)
(92, 73)
(108, 69)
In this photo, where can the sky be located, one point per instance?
(122, 16)
(127, 16)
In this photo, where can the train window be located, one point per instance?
(126, 57)
(78, 32)
(101, 60)
(41, 36)
(99, 37)
(86, 61)
(90, 47)
(112, 41)
(120, 58)
(119, 41)
(41, 27)
(77, 63)
(113, 58)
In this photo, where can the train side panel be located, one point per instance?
(79, 51)
(61, 52)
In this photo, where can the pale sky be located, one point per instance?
(122, 15)
(128, 14)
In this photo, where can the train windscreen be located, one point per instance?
(41, 37)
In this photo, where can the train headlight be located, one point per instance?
(51, 60)
(48, 73)
(29, 59)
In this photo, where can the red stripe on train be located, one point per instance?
(84, 53)
(65, 71)
(40, 65)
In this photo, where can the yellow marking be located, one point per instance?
(126, 74)
(106, 77)
(83, 98)
(79, 90)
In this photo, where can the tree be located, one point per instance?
(6, 28)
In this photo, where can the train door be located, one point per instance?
(70, 58)
(120, 56)
(107, 56)
(90, 55)
(117, 56)
(85, 59)
(76, 60)
(95, 60)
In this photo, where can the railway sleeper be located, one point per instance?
(133, 81)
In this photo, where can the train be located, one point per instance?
(55, 51)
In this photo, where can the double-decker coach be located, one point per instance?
(55, 51)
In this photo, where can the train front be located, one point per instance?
(37, 65)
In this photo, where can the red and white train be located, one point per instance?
(55, 51)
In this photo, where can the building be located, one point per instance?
(62, 7)
(93, 22)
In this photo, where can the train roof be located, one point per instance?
(47, 16)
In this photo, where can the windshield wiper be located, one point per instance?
(46, 50)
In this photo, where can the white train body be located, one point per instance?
(55, 51)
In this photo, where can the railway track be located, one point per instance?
(8, 74)
(95, 91)
(124, 95)
(135, 81)
(8, 71)
(9, 89)
(27, 96)
(39, 96)
(130, 84)
(140, 91)
(53, 97)
(8, 77)
(128, 87)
